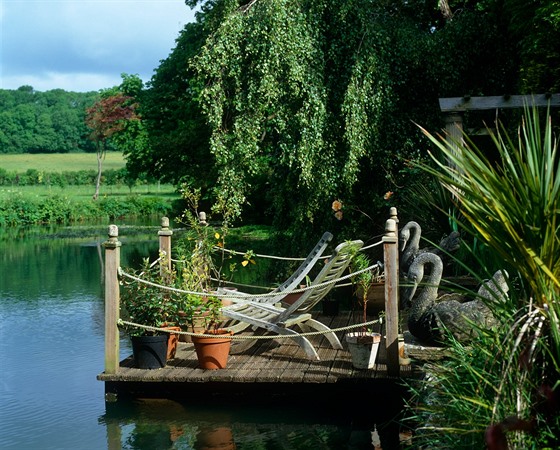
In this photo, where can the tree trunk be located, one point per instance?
(100, 153)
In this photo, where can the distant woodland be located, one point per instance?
(44, 122)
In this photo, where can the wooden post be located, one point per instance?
(165, 241)
(393, 215)
(454, 133)
(390, 260)
(112, 300)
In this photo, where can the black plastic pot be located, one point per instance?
(150, 352)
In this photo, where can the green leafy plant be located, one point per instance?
(181, 291)
(144, 302)
(363, 280)
(505, 386)
(201, 258)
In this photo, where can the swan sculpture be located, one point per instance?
(429, 318)
(410, 238)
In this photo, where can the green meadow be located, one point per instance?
(59, 162)
(47, 199)
(79, 193)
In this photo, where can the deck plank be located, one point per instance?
(268, 362)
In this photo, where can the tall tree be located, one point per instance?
(306, 98)
(107, 117)
(309, 101)
(178, 149)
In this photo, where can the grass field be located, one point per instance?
(86, 192)
(59, 162)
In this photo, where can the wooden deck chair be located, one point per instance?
(293, 282)
(297, 277)
(279, 319)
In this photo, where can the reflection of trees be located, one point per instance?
(165, 424)
(214, 438)
(61, 266)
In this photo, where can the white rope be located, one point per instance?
(245, 297)
(282, 258)
(232, 283)
(121, 322)
(287, 258)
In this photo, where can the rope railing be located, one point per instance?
(121, 322)
(258, 255)
(244, 298)
(233, 283)
(114, 274)
(286, 258)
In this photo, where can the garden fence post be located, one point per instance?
(390, 256)
(112, 300)
(165, 242)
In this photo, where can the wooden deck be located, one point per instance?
(270, 367)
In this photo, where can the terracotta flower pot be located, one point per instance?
(213, 352)
(290, 299)
(172, 342)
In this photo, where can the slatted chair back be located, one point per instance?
(300, 273)
(326, 279)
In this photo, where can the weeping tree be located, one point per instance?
(304, 99)
(312, 101)
(285, 106)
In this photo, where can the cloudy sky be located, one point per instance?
(85, 45)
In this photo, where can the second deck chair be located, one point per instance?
(279, 319)
(293, 282)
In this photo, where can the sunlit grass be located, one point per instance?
(59, 162)
(86, 192)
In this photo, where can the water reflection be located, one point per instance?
(165, 424)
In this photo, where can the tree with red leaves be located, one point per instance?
(106, 118)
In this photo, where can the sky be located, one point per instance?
(85, 45)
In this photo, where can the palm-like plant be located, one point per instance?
(513, 207)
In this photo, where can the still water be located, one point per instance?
(51, 349)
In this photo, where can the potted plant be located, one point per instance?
(148, 305)
(363, 344)
(199, 278)
(375, 294)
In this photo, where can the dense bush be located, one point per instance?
(27, 210)
(33, 177)
(502, 390)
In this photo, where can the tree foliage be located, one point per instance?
(178, 135)
(298, 96)
(43, 122)
(110, 116)
(309, 101)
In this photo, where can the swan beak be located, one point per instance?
(404, 241)
(409, 293)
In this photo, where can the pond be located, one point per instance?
(51, 350)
